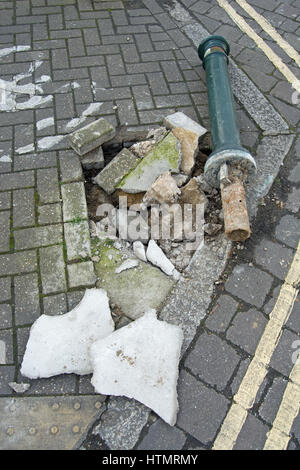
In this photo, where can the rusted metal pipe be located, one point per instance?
(229, 165)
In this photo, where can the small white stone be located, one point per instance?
(19, 388)
(139, 250)
(128, 264)
(157, 257)
(140, 361)
(59, 344)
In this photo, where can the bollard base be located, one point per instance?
(236, 219)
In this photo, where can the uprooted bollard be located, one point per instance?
(229, 165)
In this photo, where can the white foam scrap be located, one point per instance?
(179, 119)
(157, 257)
(5, 159)
(8, 50)
(139, 250)
(59, 344)
(43, 79)
(19, 388)
(140, 361)
(127, 264)
(26, 149)
(43, 123)
(89, 111)
(49, 141)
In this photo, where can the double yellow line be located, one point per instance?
(268, 28)
(278, 437)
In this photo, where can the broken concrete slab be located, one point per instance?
(179, 119)
(165, 156)
(59, 344)
(140, 361)
(109, 178)
(154, 136)
(91, 136)
(128, 264)
(163, 190)
(93, 160)
(189, 148)
(135, 290)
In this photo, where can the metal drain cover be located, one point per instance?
(46, 423)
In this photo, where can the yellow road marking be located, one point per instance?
(268, 28)
(274, 58)
(244, 399)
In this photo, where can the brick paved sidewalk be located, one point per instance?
(138, 61)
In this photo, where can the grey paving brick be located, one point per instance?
(83, 93)
(293, 201)
(212, 360)
(246, 330)
(146, 67)
(47, 185)
(70, 167)
(294, 175)
(158, 83)
(91, 37)
(221, 315)
(55, 22)
(7, 374)
(86, 61)
(52, 269)
(271, 403)
(29, 161)
(5, 231)
(5, 316)
(59, 58)
(23, 208)
(249, 284)
(39, 31)
(201, 409)
(6, 345)
(74, 202)
(287, 231)
(81, 274)
(282, 358)
(76, 47)
(252, 436)
(172, 100)
(5, 198)
(154, 116)
(77, 238)
(161, 436)
(49, 214)
(64, 106)
(74, 297)
(85, 386)
(38, 236)
(273, 257)
(5, 288)
(70, 74)
(16, 180)
(117, 39)
(143, 97)
(135, 79)
(27, 299)
(15, 263)
(290, 113)
(55, 304)
(126, 112)
(234, 386)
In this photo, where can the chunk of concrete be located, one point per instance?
(189, 148)
(179, 119)
(91, 136)
(134, 291)
(192, 194)
(93, 160)
(165, 156)
(163, 190)
(140, 361)
(128, 264)
(109, 178)
(60, 344)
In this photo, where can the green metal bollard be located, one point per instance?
(228, 157)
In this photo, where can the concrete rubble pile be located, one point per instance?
(135, 274)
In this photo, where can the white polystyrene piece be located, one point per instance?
(139, 250)
(59, 344)
(128, 264)
(140, 361)
(157, 257)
